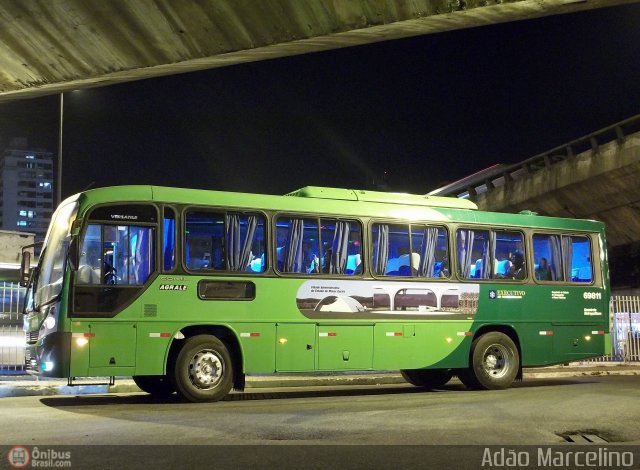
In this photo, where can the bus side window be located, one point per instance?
(297, 246)
(474, 259)
(116, 255)
(509, 261)
(562, 258)
(547, 256)
(89, 270)
(391, 250)
(231, 241)
(204, 241)
(341, 246)
(245, 242)
(429, 257)
(577, 252)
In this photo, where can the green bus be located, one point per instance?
(189, 290)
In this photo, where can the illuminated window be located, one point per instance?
(316, 246)
(562, 257)
(225, 241)
(410, 250)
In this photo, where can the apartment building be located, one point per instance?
(26, 188)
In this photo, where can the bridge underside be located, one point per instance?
(48, 46)
(600, 183)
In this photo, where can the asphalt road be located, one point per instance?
(535, 412)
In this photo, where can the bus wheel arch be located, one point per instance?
(495, 359)
(223, 334)
(428, 378)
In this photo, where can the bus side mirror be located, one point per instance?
(74, 254)
(25, 268)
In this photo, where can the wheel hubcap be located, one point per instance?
(496, 361)
(206, 369)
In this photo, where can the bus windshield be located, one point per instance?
(54, 253)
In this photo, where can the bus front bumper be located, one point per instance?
(49, 357)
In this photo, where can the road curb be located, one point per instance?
(44, 387)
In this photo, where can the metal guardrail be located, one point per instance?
(625, 329)
(469, 188)
(12, 340)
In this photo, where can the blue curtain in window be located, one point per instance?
(428, 252)
(485, 272)
(567, 257)
(142, 259)
(340, 247)
(169, 248)
(238, 248)
(381, 250)
(293, 249)
(555, 263)
(465, 251)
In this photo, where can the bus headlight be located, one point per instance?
(49, 322)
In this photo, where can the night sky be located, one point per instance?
(405, 115)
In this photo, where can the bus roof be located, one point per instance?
(319, 192)
(343, 202)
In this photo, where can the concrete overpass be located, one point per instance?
(594, 177)
(49, 46)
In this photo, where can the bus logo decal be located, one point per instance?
(506, 294)
(179, 287)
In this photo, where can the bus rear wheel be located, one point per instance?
(495, 362)
(202, 370)
(156, 385)
(430, 378)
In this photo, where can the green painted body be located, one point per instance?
(274, 336)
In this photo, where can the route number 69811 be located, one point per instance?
(592, 295)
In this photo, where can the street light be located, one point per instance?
(59, 183)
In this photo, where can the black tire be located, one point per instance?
(468, 378)
(156, 385)
(430, 378)
(202, 370)
(495, 362)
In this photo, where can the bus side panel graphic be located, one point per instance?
(375, 299)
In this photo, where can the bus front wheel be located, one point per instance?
(495, 362)
(156, 385)
(203, 370)
(430, 378)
